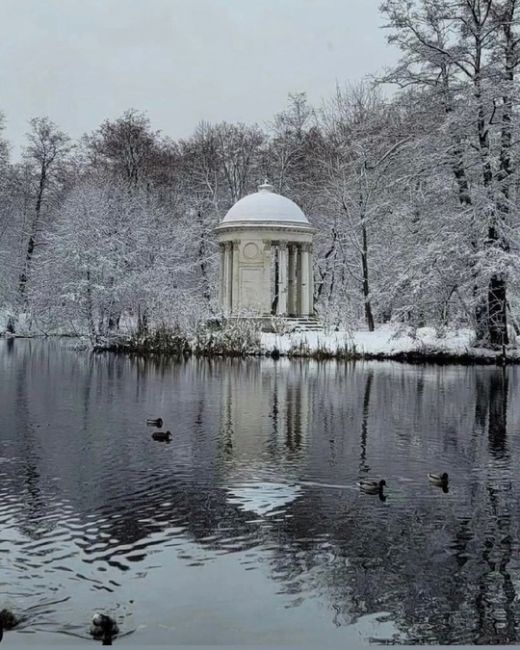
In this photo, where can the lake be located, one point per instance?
(248, 527)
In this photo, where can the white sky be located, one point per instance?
(181, 61)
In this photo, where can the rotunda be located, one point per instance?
(266, 257)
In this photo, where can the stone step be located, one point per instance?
(305, 324)
(302, 319)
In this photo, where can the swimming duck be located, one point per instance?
(7, 621)
(371, 487)
(440, 480)
(154, 423)
(104, 628)
(163, 436)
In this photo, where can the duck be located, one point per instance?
(371, 487)
(104, 628)
(8, 621)
(158, 422)
(163, 436)
(440, 480)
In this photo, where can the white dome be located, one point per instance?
(265, 205)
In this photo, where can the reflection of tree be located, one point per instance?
(226, 427)
(363, 466)
(33, 500)
(498, 391)
(444, 578)
(442, 566)
(496, 594)
(481, 402)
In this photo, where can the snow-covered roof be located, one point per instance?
(265, 205)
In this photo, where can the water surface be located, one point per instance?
(248, 527)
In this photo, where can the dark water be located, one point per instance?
(248, 527)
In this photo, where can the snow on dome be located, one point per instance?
(265, 205)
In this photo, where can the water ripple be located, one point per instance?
(254, 505)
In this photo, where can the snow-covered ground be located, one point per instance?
(386, 340)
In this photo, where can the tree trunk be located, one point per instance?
(497, 294)
(481, 316)
(113, 321)
(497, 311)
(142, 320)
(206, 292)
(366, 287)
(25, 274)
(90, 308)
(497, 290)
(465, 200)
(323, 275)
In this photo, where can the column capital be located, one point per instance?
(267, 244)
(236, 243)
(282, 244)
(306, 247)
(227, 245)
(293, 246)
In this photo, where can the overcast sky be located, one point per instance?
(181, 61)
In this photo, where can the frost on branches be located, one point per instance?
(413, 193)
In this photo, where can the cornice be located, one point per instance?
(278, 226)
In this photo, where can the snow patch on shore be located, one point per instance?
(386, 340)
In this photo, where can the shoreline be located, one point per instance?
(385, 344)
(413, 358)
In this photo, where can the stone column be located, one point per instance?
(267, 296)
(228, 274)
(311, 282)
(304, 280)
(293, 287)
(221, 298)
(235, 282)
(282, 279)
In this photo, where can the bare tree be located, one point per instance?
(127, 147)
(45, 155)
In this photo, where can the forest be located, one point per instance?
(411, 178)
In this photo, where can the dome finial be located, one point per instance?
(266, 186)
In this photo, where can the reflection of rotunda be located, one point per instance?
(266, 406)
(266, 257)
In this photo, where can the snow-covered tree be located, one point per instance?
(45, 158)
(464, 54)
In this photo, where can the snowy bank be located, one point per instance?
(387, 342)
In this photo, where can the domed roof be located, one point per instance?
(265, 205)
